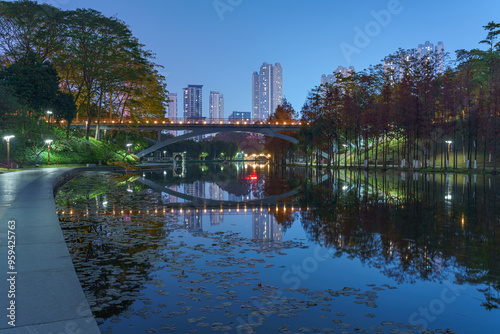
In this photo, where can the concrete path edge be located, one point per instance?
(49, 298)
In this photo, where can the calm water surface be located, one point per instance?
(248, 249)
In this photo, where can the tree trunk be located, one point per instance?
(98, 124)
(89, 119)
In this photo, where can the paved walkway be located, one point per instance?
(48, 296)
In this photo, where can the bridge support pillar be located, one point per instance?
(159, 135)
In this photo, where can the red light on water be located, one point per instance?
(252, 176)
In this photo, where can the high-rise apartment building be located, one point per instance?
(331, 78)
(172, 107)
(255, 96)
(276, 87)
(193, 100)
(436, 52)
(267, 90)
(216, 109)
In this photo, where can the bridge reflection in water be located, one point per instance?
(263, 210)
(264, 223)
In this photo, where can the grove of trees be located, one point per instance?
(411, 113)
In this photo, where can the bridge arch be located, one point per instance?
(204, 131)
(204, 202)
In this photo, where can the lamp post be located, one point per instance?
(7, 139)
(49, 113)
(48, 142)
(448, 153)
(128, 148)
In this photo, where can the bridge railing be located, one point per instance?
(184, 121)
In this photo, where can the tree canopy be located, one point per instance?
(35, 83)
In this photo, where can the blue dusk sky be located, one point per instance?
(220, 43)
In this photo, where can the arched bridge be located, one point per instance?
(198, 128)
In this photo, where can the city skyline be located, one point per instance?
(246, 36)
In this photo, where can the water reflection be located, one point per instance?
(114, 225)
(422, 227)
(124, 231)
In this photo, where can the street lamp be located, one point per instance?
(48, 141)
(448, 153)
(49, 113)
(448, 142)
(7, 139)
(128, 148)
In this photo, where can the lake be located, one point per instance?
(245, 248)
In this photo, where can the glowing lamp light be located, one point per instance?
(7, 139)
